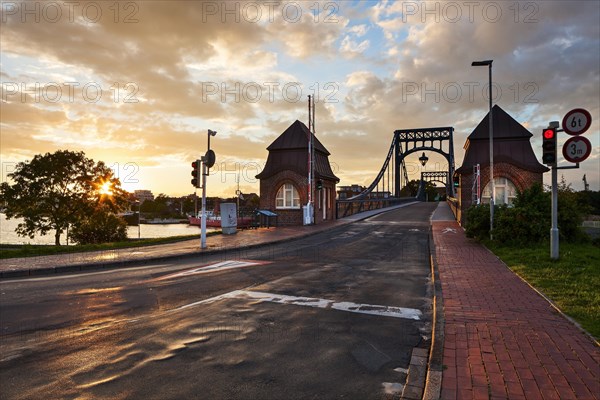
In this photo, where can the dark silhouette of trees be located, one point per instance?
(57, 190)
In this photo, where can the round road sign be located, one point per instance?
(577, 149)
(577, 121)
(209, 159)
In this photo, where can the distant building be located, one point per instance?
(143, 195)
(345, 192)
(380, 195)
(284, 180)
(515, 164)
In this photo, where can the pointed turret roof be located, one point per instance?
(296, 136)
(504, 126)
(290, 152)
(511, 144)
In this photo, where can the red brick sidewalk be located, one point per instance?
(502, 339)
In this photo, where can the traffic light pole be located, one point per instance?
(554, 233)
(554, 228)
(207, 162)
(203, 222)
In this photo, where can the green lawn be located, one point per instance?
(28, 250)
(572, 282)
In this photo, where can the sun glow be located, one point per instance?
(106, 189)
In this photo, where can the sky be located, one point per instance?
(137, 84)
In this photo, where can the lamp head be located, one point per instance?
(481, 63)
(212, 133)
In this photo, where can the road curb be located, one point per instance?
(95, 267)
(435, 367)
(417, 372)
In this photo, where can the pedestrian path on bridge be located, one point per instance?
(501, 338)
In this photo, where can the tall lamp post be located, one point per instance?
(493, 188)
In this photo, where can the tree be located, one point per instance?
(101, 226)
(56, 190)
(412, 188)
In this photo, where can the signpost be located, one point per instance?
(577, 121)
(576, 149)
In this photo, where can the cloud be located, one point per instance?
(192, 67)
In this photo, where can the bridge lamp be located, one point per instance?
(423, 159)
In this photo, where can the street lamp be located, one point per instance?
(493, 188)
(423, 159)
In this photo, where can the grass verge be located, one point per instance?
(33, 250)
(571, 282)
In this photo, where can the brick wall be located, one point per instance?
(268, 194)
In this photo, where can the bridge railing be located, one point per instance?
(345, 208)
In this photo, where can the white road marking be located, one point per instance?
(221, 266)
(449, 230)
(383, 311)
(403, 370)
(392, 387)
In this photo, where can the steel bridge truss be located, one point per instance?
(393, 176)
(432, 176)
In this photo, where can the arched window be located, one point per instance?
(287, 197)
(505, 192)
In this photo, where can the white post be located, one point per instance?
(204, 174)
(554, 229)
(203, 222)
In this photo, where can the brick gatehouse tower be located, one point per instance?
(515, 164)
(284, 180)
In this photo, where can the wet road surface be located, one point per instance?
(335, 315)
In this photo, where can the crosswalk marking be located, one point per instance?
(220, 266)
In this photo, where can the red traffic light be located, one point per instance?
(196, 174)
(549, 133)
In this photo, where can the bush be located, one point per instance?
(528, 219)
(477, 224)
(571, 212)
(99, 227)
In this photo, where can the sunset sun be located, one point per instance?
(106, 189)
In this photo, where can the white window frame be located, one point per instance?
(501, 183)
(287, 197)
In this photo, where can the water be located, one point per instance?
(8, 235)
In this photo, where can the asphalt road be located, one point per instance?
(332, 316)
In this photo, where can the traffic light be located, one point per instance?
(456, 181)
(196, 173)
(319, 184)
(549, 146)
